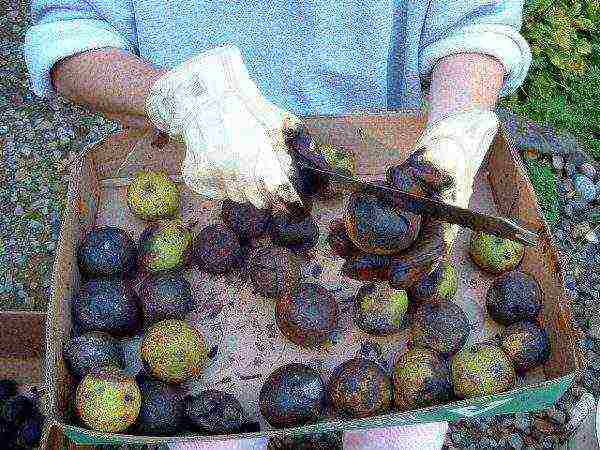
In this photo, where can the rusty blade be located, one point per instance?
(497, 226)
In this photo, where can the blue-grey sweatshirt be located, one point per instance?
(309, 57)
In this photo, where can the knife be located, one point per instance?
(497, 226)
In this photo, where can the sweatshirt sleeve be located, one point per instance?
(63, 28)
(487, 27)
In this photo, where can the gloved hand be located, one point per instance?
(233, 136)
(446, 159)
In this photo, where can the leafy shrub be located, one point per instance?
(562, 89)
(543, 180)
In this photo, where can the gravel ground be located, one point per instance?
(39, 138)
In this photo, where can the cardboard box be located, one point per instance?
(96, 196)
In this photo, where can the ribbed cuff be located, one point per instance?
(47, 43)
(501, 41)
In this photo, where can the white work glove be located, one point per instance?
(234, 140)
(446, 159)
(456, 146)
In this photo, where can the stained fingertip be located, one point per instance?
(209, 191)
(255, 195)
(288, 194)
(235, 191)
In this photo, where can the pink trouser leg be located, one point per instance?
(243, 444)
(428, 436)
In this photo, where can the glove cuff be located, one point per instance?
(472, 131)
(202, 81)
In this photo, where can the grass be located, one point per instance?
(543, 180)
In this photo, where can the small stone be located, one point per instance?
(580, 205)
(530, 153)
(570, 282)
(588, 170)
(569, 210)
(566, 185)
(585, 187)
(543, 426)
(530, 443)
(551, 138)
(532, 137)
(578, 157)
(591, 382)
(559, 233)
(570, 169)
(593, 358)
(316, 271)
(558, 162)
(488, 442)
(557, 416)
(26, 151)
(595, 326)
(45, 124)
(580, 411)
(580, 230)
(595, 344)
(581, 319)
(523, 422)
(505, 420)
(459, 438)
(592, 214)
(515, 441)
(481, 421)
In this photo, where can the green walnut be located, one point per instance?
(481, 369)
(495, 254)
(153, 195)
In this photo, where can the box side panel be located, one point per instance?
(503, 176)
(22, 370)
(82, 199)
(22, 334)
(534, 398)
(375, 140)
(22, 346)
(516, 197)
(566, 355)
(126, 152)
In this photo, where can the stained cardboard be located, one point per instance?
(249, 344)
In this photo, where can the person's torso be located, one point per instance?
(316, 57)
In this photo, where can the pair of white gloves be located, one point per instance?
(234, 138)
(235, 148)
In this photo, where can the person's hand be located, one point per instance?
(446, 159)
(235, 146)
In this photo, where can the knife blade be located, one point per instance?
(497, 226)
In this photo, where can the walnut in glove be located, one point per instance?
(233, 137)
(446, 159)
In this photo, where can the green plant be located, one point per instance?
(562, 88)
(543, 180)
